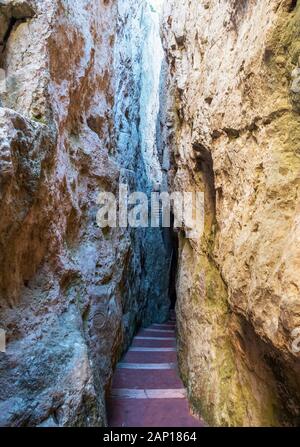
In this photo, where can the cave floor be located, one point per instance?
(147, 390)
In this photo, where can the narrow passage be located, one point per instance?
(147, 390)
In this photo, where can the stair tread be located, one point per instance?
(141, 379)
(151, 413)
(147, 390)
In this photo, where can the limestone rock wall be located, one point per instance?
(138, 63)
(60, 277)
(232, 115)
(71, 295)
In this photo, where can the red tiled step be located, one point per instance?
(141, 337)
(151, 333)
(146, 379)
(153, 357)
(151, 413)
(141, 349)
(166, 343)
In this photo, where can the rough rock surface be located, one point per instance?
(138, 63)
(233, 131)
(71, 295)
(78, 115)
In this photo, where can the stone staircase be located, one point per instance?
(147, 390)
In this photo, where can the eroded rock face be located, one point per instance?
(60, 276)
(71, 295)
(233, 132)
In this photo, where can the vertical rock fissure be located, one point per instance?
(138, 73)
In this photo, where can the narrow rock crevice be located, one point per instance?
(155, 96)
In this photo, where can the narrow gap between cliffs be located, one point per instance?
(146, 380)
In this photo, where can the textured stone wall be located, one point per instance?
(71, 295)
(78, 114)
(232, 128)
(138, 62)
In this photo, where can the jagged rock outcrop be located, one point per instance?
(71, 294)
(233, 132)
